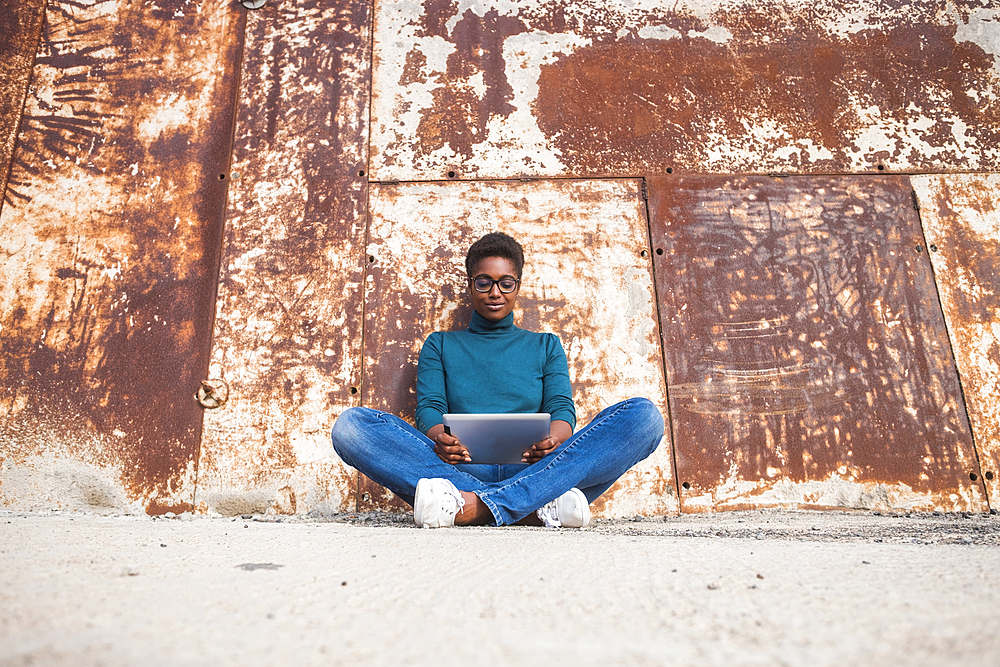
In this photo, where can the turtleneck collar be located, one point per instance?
(479, 324)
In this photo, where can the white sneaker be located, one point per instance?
(570, 510)
(436, 502)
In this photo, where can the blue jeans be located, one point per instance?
(396, 455)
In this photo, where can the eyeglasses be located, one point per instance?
(485, 284)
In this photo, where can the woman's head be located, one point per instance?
(494, 264)
(495, 244)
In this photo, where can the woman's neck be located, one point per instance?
(479, 324)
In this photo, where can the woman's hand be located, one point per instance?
(559, 431)
(539, 450)
(447, 447)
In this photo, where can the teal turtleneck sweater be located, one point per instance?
(492, 367)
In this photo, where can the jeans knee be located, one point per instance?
(648, 420)
(346, 431)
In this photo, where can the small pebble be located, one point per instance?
(130, 571)
(713, 586)
(246, 516)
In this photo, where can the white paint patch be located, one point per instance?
(717, 34)
(982, 28)
(657, 32)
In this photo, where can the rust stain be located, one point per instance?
(586, 279)
(805, 349)
(109, 237)
(289, 309)
(961, 220)
(584, 88)
(20, 30)
(813, 87)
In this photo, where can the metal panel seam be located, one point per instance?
(663, 353)
(218, 250)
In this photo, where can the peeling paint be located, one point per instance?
(106, 302)
(803, 343)
(587, 277)
(584, 88)
(961, 218)
(288, 324)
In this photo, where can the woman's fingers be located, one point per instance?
(450, 450)
(539, 450)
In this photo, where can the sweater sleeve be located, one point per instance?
(557, 392)
(432, 395)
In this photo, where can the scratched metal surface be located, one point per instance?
(592, 88)
(586, 279)
(109, 241)
(289, 310)
(807, 359)
(961, 219)
(20, 28)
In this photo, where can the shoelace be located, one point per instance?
(549, 515)
(454, 493)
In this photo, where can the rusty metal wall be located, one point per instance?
(961, 218)
(591, 88)
(807, 359)
(587, 278)
(20, 29)
(289, 311)
(110, 234)
(109, 239)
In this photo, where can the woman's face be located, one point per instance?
(494, 305)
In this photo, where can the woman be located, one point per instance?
(493, 366)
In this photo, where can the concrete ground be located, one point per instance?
(742, 588)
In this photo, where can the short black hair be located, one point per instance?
(495, 244)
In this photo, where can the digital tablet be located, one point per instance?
(498, 438)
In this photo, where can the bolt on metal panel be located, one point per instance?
(591, 88)
(109, 241)
(807, 359)
(20, 28)
(961, 218)
(289, 311)
(587, 278)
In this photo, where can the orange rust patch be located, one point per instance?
(678, 93)
(110, 235)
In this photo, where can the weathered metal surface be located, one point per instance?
(20, 28)
(587, 278)
(289, 310)
(961, 218)
(109, 240)
(807, 360)
(591, 88)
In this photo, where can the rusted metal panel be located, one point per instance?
(289, 310)
(807, 360)
(587, 278)
(591, 88)
(20, 28)
(961, 218)
(110, 240)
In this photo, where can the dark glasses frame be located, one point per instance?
(472, 281)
